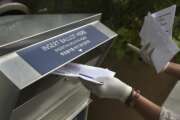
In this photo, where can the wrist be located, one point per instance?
(125, 92)
(165, 67)
(135, 94)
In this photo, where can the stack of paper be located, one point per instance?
(157, 30)
(85, 72)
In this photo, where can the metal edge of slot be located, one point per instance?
(51, 104)
(103, 56)
(24, 42)
(110, 33)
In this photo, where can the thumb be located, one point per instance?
(89, 85)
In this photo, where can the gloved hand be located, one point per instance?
(112, 88)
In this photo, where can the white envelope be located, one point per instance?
(160, 40)
(165, 19)
(89, 73)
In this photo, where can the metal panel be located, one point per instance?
(25, 31)
(8, 97)
(17, 32)
(62, 101)
(17, 70)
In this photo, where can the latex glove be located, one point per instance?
(112, 88)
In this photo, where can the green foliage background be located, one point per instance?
(123, 16)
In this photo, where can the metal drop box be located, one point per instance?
(31, 48)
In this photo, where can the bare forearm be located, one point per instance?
(173, 69)
(145, 107)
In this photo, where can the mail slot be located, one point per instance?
(31, 48)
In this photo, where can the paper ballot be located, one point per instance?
(157, 30)
(85, 72)
(165, 18)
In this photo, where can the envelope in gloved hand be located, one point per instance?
(89, 73)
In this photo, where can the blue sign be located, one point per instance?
(61, 49)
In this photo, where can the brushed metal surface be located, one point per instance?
(62, 101)
(18, 71)
(8, 97)
(17, 32)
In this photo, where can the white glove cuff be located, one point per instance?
(125, 92)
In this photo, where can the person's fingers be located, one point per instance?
(101, 79)
(145, 57)
(90, 85)
(145, 47)
(94, 88)
(146, 53)
(150, 50)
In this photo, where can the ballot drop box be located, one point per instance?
(31, 48)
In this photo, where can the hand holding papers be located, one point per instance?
(157, 31)
(85, 72)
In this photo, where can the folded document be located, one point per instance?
(157, 30)
(89, 73)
